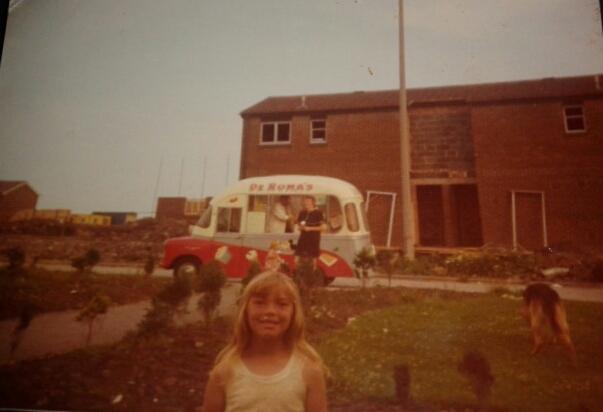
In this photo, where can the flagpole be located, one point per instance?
(408, 228)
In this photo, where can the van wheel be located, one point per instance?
(186, 267)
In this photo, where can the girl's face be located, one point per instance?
(269, 314)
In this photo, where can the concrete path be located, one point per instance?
(59, 332)
(580, 292)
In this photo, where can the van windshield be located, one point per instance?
(205, 218)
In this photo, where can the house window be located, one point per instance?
(318, 133)
(574, 119)
(276, 133)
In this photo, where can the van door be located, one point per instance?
(229, 236)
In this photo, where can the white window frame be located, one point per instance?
(514, 194)
(392, 209)
(275, 141)
(573, 116)
(312, 129)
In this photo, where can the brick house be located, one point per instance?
(180, 208)
(17, 200)
(512, 164)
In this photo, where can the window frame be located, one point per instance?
(352, 219)
(567, 117)
(314, 140)
(275, 141)
(230, 219)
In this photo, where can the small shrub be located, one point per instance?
(164, 305)
(26, 314)
(475, 367)
(387, 261)
(98, 305)
(421, 265)
(254, 270)
(306, 276)
(597, 271)
(84, 264)
(211, 277)
(364, 261)
(16, 261)
(149, 266)
(499, 264)
(158, 318)
(175, 293)
(210, 283)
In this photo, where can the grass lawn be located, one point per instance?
(430, 335)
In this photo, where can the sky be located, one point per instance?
(106, 104)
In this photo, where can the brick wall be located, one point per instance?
(525, 147)
(441, 142)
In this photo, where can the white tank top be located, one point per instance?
(284, 391)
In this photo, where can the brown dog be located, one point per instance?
(542, 305)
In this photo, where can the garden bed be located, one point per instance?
(362, 335)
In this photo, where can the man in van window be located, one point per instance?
(280, 219)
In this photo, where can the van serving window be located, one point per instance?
(351, 217)
(229, 220)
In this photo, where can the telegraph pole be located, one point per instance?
(408, 224)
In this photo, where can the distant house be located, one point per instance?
(517, 164)
(17, 200)
(119, 218)
(170, 208)
(180, 208)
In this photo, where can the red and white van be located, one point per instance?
(235, 228)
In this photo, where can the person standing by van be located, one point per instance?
(280, 216)
(311, 223)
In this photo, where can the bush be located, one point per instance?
(16, 261)
(164, 305)
(209, 284)
(492, 264)
(306, 276)
(254, 270)
(149, 266)
(364, 261)
(387, 261)
(159, 317)
(421, 265)
(98, 305)
(86, 262)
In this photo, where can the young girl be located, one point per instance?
(268, 364)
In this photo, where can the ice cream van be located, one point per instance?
(241, 225)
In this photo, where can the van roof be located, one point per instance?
(292, 185)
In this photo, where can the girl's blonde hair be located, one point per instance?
(294, 335)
